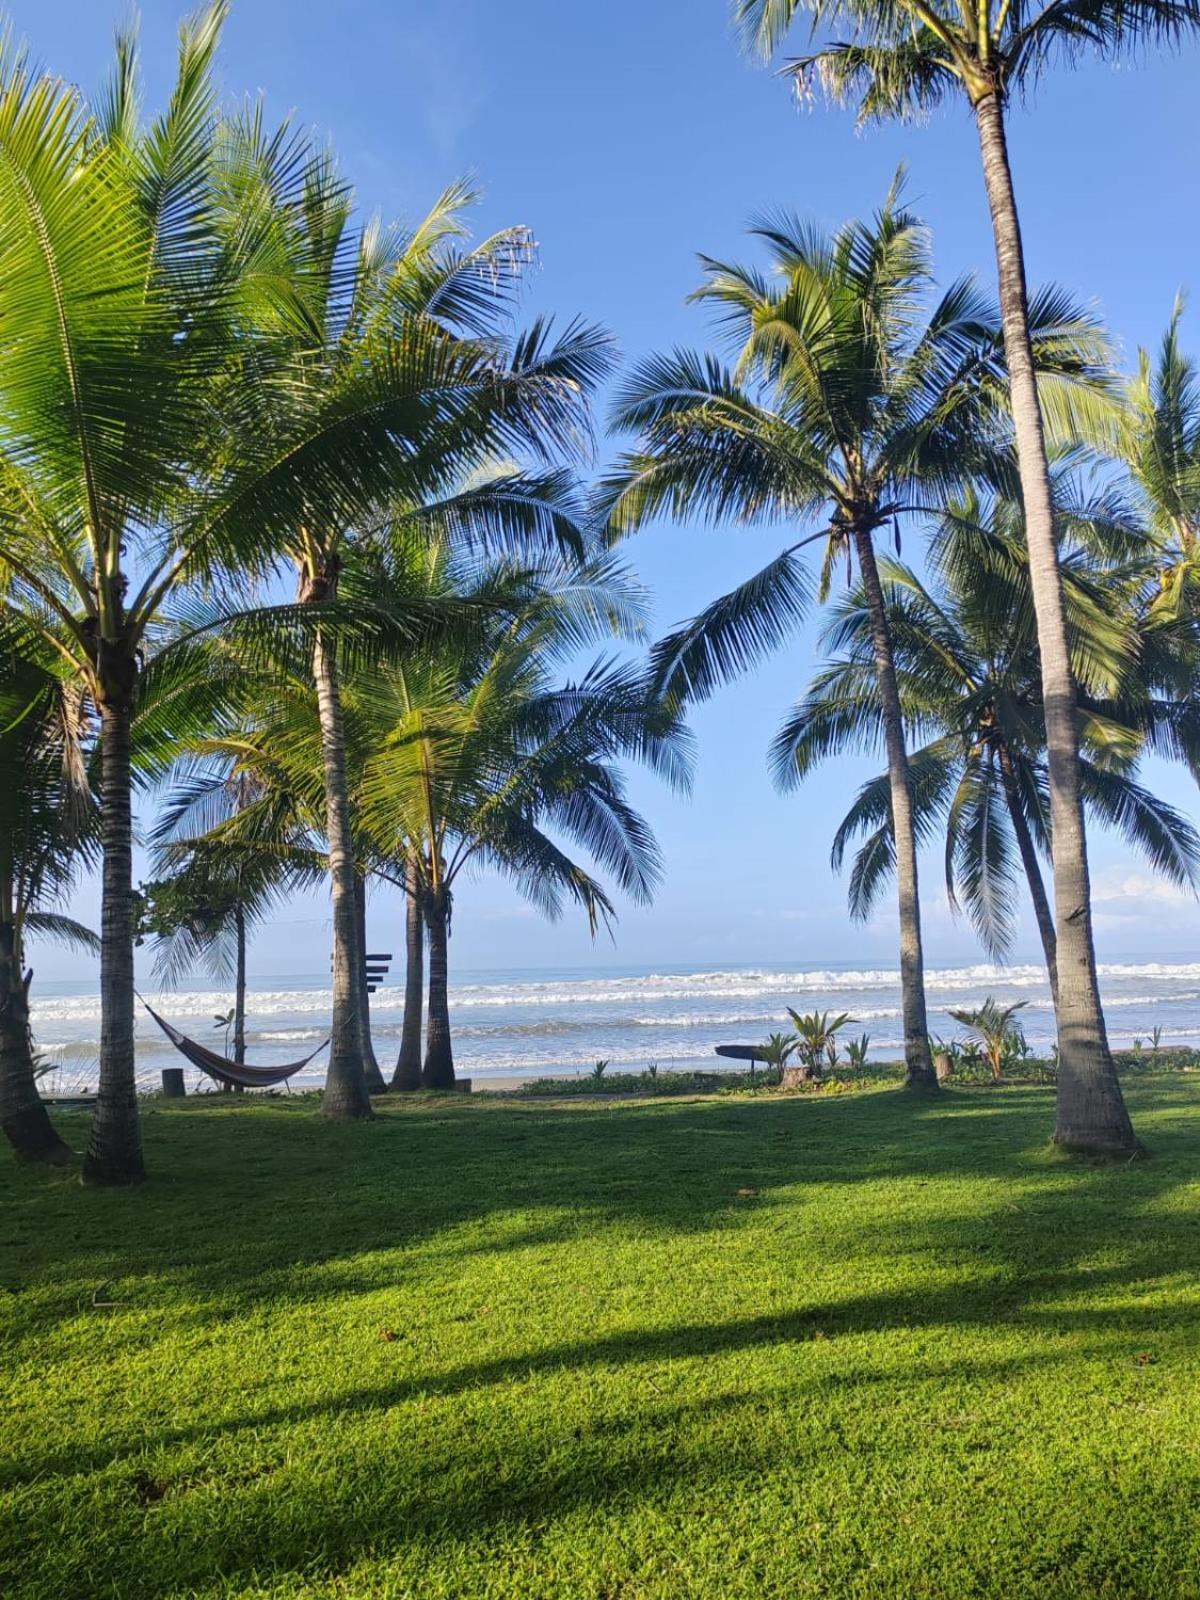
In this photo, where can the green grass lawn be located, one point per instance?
(526, 1349)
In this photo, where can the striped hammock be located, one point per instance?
(229, 1073)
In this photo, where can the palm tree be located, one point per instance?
(852, 403)
(970, 689)
(479, 760)
(430, 313)
(203, 910)
(48, 832)
(993, 1026)
(99, 407)
(899, 59)
(1157, 440)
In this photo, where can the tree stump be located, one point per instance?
(173, 1087)
(796, 1077)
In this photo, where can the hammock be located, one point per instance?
(229, 1072)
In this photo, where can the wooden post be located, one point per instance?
(173, 1085)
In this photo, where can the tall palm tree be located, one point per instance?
(899, 59)
(853, 404)
(99, 407)
(371, 299)
(970, 689)
(48, 833)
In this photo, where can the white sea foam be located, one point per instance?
(530, 1022)
(694, 987)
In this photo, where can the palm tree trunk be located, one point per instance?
(1033, 869)
(408, 1064)
(438, 1071)
(375, 1083)
(239, 994)
(114, 1153)
(345, 1096)
(1091, 1110)
(239, 998)
(23, 1116)
(919, 1073)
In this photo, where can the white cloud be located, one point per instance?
(1128, 900)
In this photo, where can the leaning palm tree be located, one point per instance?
(899, 59)
(970, 689)
(853, 404)
(48, 833)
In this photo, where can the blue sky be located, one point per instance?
(630, 135)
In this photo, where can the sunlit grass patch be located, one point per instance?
(739, 1347)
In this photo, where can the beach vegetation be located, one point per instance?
(969, 681)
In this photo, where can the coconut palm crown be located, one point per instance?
(966, 650)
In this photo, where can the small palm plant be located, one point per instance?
(775, 1054)
(856, 1053)
(1000, 1038)
(816, 1031)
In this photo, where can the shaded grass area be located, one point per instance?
(514, 1349)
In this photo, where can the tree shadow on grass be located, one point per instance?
(442, 1185)
(656, 1443)
(248, 1200)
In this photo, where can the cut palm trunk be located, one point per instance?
(438, 1071)
(918, 1063)
(1092, 1117)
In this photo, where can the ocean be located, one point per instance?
(525, 1023)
